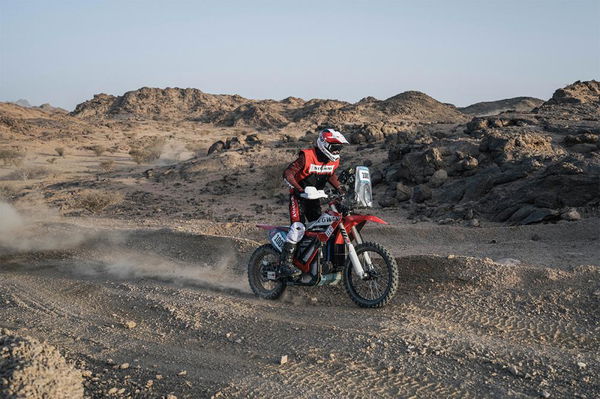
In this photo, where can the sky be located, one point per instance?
(460, 52)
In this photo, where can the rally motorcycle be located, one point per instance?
(331, 250)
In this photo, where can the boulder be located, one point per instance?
(421, 193)
(468, 163)
(388, 199)
(252, 140)
(570, 214)
(438, 178)
(530, 214)
(217, 146)
(540, 215)
(452, 192)
(403, 193)
(376, 176)
(584, 138)
(233, 143)
(505, 147)
(476, 125)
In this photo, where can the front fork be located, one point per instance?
(358, 269)
(356, 265)
(359, 240)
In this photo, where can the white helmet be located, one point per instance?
(330, 143)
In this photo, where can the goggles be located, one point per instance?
(334, 147)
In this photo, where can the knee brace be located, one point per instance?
(295, 233)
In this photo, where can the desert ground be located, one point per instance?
(126, 227)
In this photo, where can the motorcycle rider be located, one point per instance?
(311, 171)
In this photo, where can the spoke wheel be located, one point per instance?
(264, 259)
(381, 283)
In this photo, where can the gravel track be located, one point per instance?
(459, 326)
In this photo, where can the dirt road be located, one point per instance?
(458, 327)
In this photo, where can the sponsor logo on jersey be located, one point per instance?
(324, 169)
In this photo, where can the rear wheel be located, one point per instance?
(264, 259)
(380, 286)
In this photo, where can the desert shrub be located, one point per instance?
(51, 160)
(98, 149)
(34, 172)
(273, 177)
(107, 166)
(11, 156)
(143, 155)
(148, 151)
(95, 201)
(28, 172)
(8, 191)
(60, 151)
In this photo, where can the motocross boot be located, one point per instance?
(286, 261)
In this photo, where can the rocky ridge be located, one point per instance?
(519, 168)
(233, 110)
(487, 108)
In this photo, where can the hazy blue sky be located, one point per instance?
(461, 52)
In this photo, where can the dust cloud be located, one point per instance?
(104, 253)
(35, 227)
(10, 219)
(130, 265)
(173, 152)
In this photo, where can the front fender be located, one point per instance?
(353, 220)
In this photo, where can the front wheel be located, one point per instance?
(381, 283)
(264, 259)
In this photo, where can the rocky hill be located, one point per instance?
(487, 108)
(519, 168)
(579, 101)
(38, 122)
(234, 110)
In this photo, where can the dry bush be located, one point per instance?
(8, 191)
(28, 172)
(98, 149)
(107, 166)
(11, 156)
(147, 151)
(143, 155)
(273, 178)
(60, 151)
(95, 201)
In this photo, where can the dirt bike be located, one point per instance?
(331, 250)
